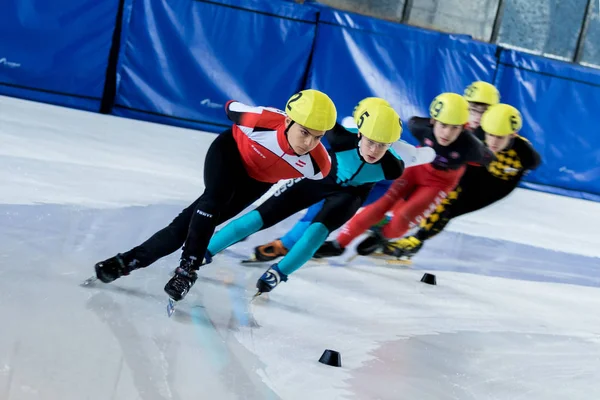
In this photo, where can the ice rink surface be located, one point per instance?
(514, 314)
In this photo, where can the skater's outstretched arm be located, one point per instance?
(478, 153)
(341, 139)
(244, 115)
(296, 197)
(530, 158)
(420, 127)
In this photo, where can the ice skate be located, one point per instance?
(403, 249)
(399, 252)
(180, 284)
(269, 280)
(329, 249)
(267, 252)
(112, 269)
(178, 287)
(373, 243)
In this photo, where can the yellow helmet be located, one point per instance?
(312, 109)
(450, 109)
(501, 120)
(368, 100)
(379, 123)
(482, 92)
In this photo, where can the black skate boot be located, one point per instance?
(114, 268)
(182, 281)
(330, 248)
(375, 242)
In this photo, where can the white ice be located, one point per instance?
(78, 187)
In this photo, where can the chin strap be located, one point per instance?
(288, 140)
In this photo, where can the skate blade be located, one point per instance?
(258, 296)
(89, 281)
(391, 259)
(252, 260)
(171, 307)
(399, 262)
(351, 258)
(255, 296)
